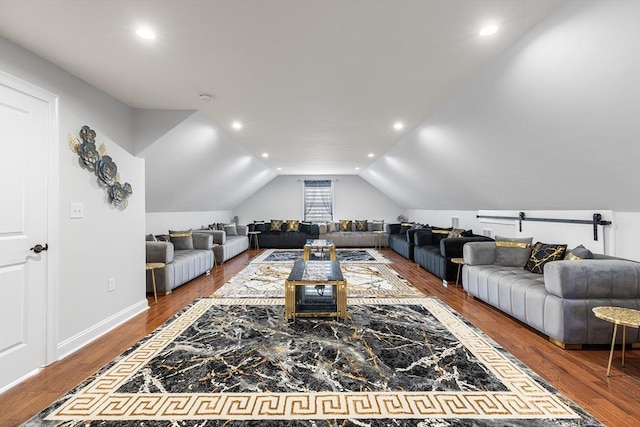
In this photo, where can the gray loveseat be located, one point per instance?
(351, 237)
(180, 265)
(227, 245)
(559, 302)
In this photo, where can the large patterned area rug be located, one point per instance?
(266, 279)
(361, 256)
(235, 362)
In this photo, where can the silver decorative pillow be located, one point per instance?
(513, 251)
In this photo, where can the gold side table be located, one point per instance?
(214, 254)
(153, 266)
(460, 262)
(380, 235)
(253, 238)
(618, 316)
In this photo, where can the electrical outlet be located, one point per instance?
(111, 284)
(76, 210)
(487, 232)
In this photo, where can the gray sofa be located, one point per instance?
(181, 266)
(227, 245)
(353, 238)
(558, 302)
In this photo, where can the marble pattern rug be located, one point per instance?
(363, 280)
(361, 256)
(235, 362)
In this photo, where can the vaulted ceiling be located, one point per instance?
(318, 85)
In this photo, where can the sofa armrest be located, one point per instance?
(423, 237)
(451, 247)
(479, 253)
(202, 240)
(219, 236)
(593, 278)
(243, 230)
(159, 252)
(411, 233)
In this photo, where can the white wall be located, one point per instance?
(108, 242)
(162, 222)
(354, 198)
(551, 124)
(621, 238)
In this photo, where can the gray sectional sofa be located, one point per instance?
(181, 266)
(558, 302)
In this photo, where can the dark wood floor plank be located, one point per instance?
(579, 374)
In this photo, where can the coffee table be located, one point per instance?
(315, 289)
(319, 245)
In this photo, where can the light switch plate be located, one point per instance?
(76, 210)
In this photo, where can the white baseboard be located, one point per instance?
(76, 342)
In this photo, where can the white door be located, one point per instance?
(25, 133)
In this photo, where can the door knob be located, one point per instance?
(39, 248)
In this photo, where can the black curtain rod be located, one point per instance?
(596, 221)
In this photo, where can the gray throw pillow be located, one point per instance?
(513, 251)
(182, 240)
(230, 229)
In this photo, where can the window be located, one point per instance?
(318, 200)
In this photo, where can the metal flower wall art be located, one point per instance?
(96, 160)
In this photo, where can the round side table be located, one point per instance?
(618, 316)
(253, 239)
(460, 262)
(153, 266)
(380, 235)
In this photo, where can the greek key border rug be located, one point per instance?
(235, 362)
(266, 280)
(354, 255)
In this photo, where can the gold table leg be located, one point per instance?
(613, 343)
(153, 281)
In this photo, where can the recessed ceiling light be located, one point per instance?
(236, 125)
(265, 155)
(146, 33)
(398, 125)
(370, 155)
(357, 168)
(279, 169)
(488, 30)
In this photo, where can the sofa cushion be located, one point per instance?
(513, 251)
(276, 225)
(331, 227)
(231, 229)
(361, 225)
(456, 232)
(578, 253)
(542, 253)
(260, 226)
(305, 227)
(293, 225)
(345, 225)
(182, 240)
(377, 225)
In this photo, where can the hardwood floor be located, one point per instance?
(578, 374)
